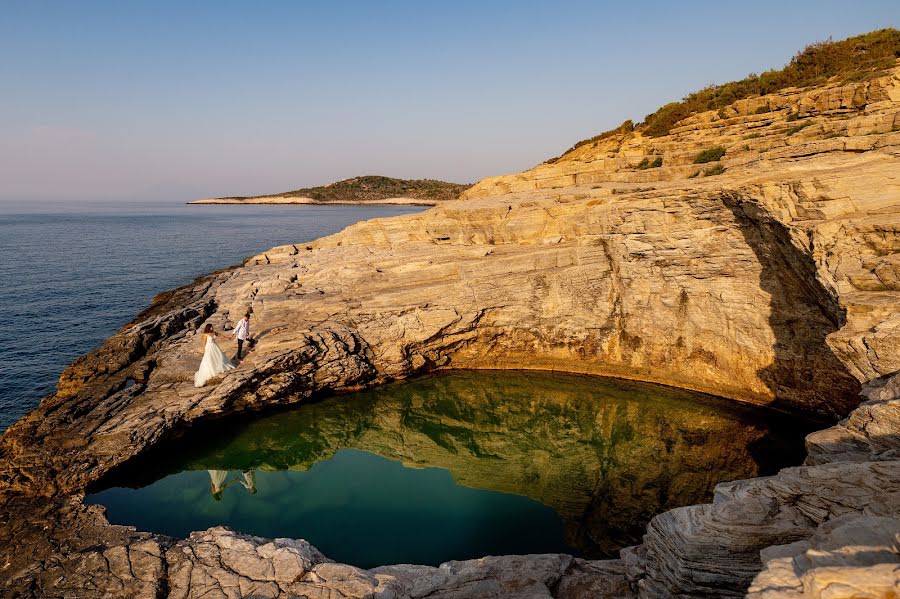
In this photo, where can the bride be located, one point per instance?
(214, 360)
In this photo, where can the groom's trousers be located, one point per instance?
(240, 345)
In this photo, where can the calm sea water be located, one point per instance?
(455, 466)
(73, 274)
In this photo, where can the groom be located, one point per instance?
(242, 333)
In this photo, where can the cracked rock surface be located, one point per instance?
(776, 282)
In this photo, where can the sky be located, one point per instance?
(181, 100)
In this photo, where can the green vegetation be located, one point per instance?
(647, 163)
(626, 127)
(371, 187)
(853, 59)
(694, 175)
(709, 155)
(796, 128)
(753, 136)
(715, 170)
(762, 110)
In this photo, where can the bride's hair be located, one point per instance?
(207, 329)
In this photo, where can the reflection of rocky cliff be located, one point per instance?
(606, 455)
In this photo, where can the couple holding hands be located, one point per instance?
(214, 361)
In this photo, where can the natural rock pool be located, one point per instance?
(456, 466)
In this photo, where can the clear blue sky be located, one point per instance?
(177, 100)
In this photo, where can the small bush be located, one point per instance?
(694, 175)
(715, 170)
(762, 110)
(746, 147)
(792, 117)
(626, 127)
(791, 130)
(753, 136)
(709, 155)
(647, 163)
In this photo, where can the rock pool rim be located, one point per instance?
(478, 416)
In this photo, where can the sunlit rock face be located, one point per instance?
(773, 279)
(606, 455)
(772, 282)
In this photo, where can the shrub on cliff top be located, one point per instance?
(709, 155)
(626, 127)
(853, 59)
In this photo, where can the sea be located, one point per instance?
(72, 274)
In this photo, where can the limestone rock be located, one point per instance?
(714, 549)
(850, 557)
(774, 282)
(869, 433)
(591, 579)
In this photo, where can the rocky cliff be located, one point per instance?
(753, 253)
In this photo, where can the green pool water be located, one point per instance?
(456, 466)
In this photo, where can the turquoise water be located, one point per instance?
(456, 466)
(359, 507)
(73, 273)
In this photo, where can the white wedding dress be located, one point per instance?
(214, 363)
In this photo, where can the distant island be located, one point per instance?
(359, 190)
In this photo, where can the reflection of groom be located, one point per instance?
(217, 482)
(242, 333)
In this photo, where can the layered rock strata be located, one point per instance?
(772, 277)
(717, 549)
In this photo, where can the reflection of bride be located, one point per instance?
(217, 482)
(216, 478)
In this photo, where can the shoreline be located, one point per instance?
(287, 200)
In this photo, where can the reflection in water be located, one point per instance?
(605, 455)
(217, 482)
